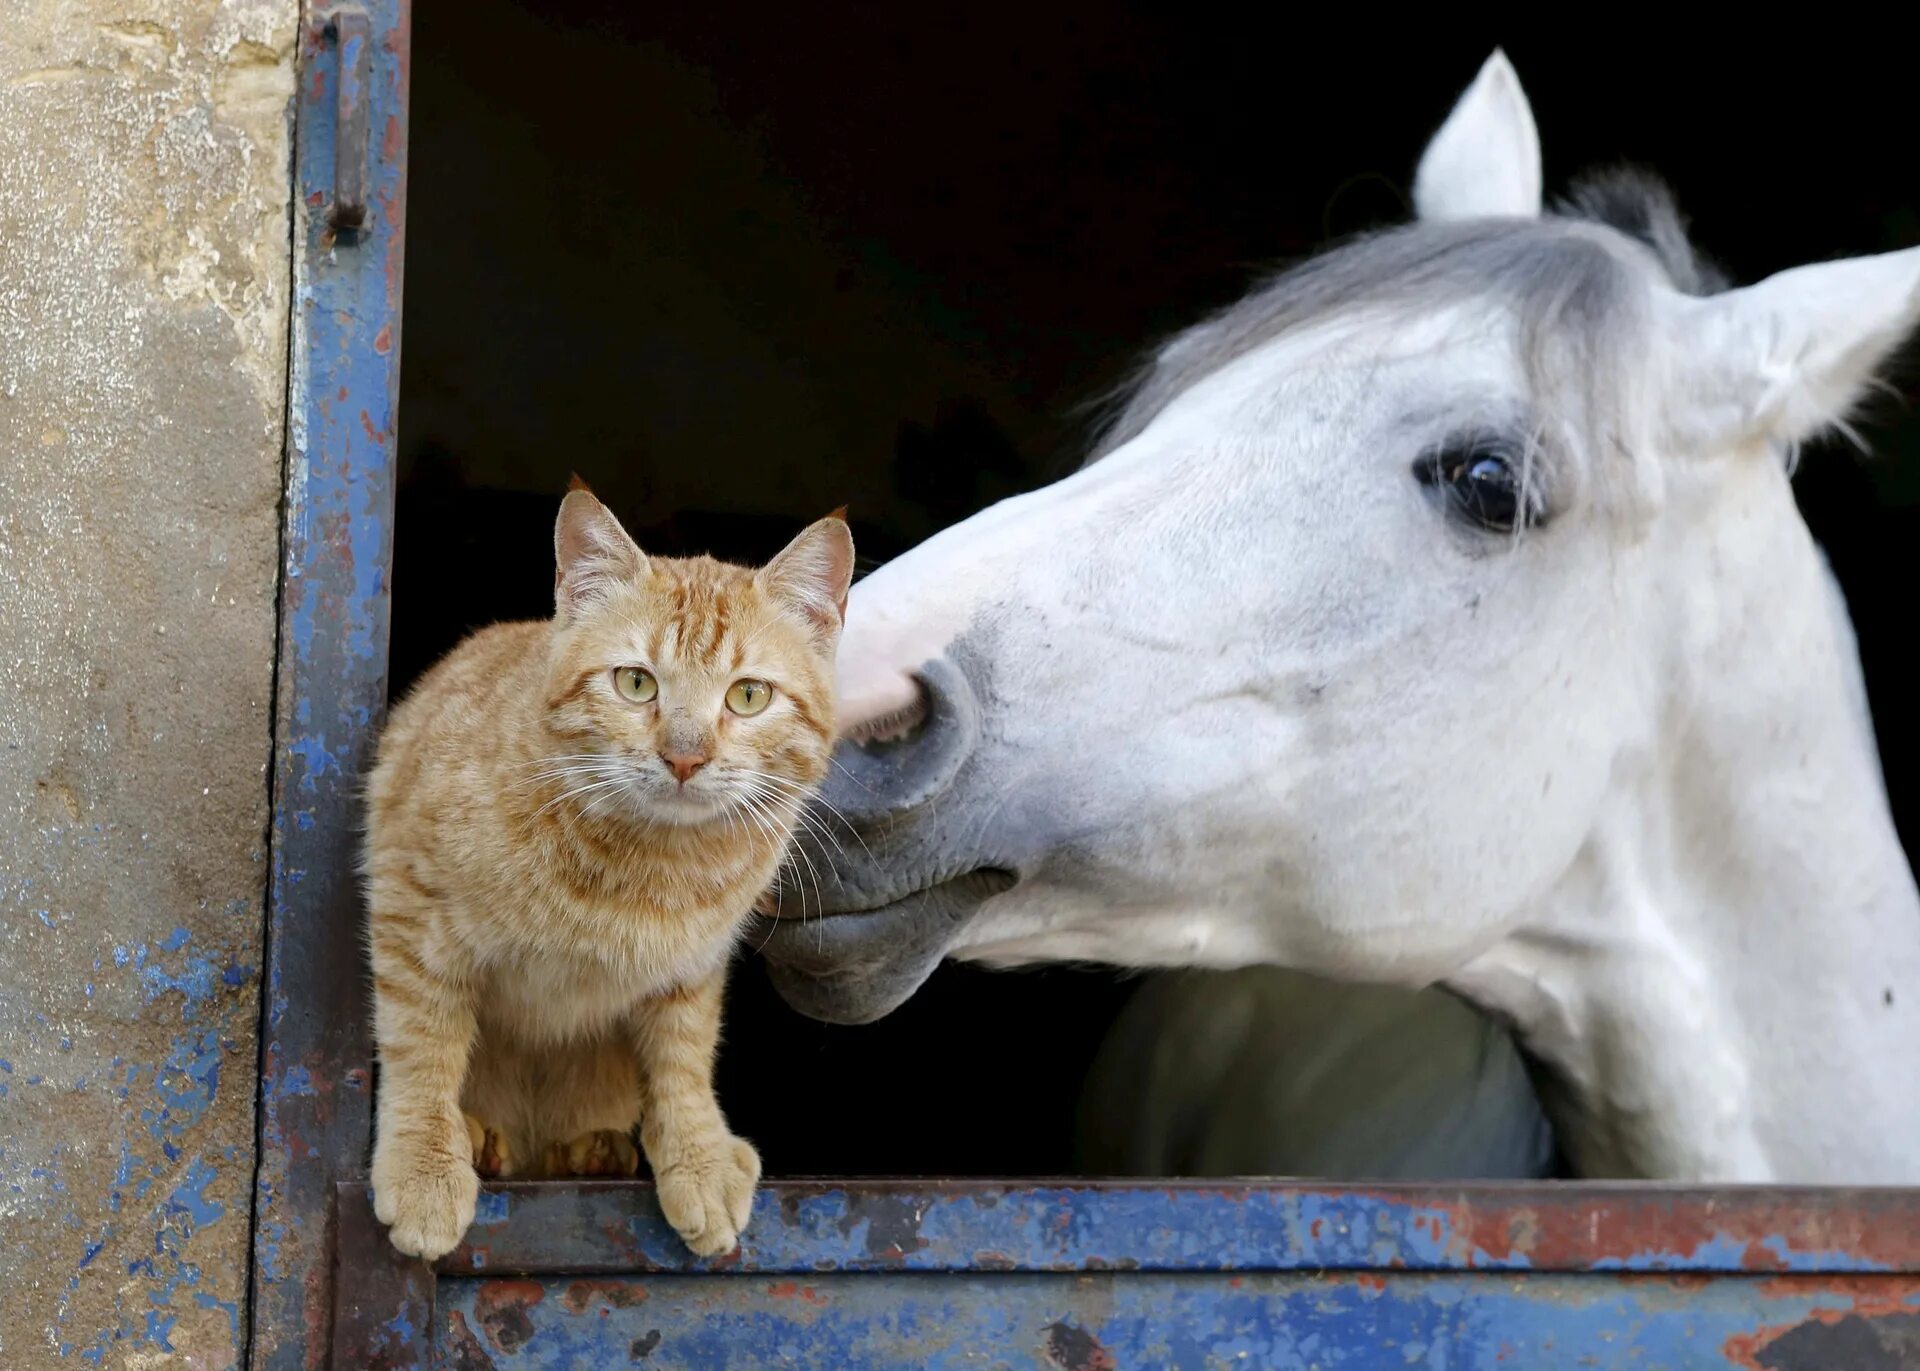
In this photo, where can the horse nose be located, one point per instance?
(684, 764)
(874, 780)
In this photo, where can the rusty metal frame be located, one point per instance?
(1858, 1248)
(350, 138)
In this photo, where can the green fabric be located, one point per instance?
(1264, 1072)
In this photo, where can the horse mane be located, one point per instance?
(1578, 298)
(1641, 205)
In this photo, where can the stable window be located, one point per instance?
(734, 271)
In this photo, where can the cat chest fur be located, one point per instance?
(599, 968)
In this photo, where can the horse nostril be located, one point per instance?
(917, 755)
(684, 764)
(896, 725)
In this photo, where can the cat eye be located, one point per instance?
(1482, 485)
(748, 698)
(635, 684)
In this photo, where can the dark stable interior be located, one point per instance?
(736, 266)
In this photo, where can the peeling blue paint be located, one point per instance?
(492, 1207)
(314, 1091)
(1276, 1322)
(166, 1183)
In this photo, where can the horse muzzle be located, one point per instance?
(886, 874)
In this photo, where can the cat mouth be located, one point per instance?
(853, 966)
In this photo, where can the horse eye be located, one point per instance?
(1482, 485)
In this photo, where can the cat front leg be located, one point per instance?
(703, 1173)
(424, 1183)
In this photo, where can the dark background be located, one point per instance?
(737, 266)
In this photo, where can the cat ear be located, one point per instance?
(591, 553)
(812, 574)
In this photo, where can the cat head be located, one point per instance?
(690, 690)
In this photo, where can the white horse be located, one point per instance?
(1439, 614)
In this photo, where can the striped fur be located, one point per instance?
(552, 910)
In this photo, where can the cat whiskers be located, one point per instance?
(754, 806)
(777, 812)
(794, 802)
(600, 777)
(804, 799)
(572, 766)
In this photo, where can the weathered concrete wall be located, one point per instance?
(143, 305)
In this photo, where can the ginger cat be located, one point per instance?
(570, 821)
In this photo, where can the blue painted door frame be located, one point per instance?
(846, 1273)
(1098, 1277)
(315, 1052)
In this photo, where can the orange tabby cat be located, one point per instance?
(570, 821)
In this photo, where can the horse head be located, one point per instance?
(1388, 634)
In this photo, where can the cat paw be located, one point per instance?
(426, 1198)
(491, 1159)
(706, 1192)
(603, 1152)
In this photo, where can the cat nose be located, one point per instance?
(684, 764)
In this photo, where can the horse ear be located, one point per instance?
(591, 552)
(1782, 360)
(1485, 160)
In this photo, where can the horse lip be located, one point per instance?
(855, 966)
(772, 919)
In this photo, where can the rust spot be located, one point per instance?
(995, 1261)
(391, 140)
(793, 1290)
(1879, 1330)
(1075, 1349)
(1366, 1280)
(1853, 1341)
(501, 1307)
(464, 1352)
(373, 434)
(383, 340)
(1570, 1232)
(580, 1296)
(396, 248)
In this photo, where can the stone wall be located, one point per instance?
(143, 307)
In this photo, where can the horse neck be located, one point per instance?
(1727, 980)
